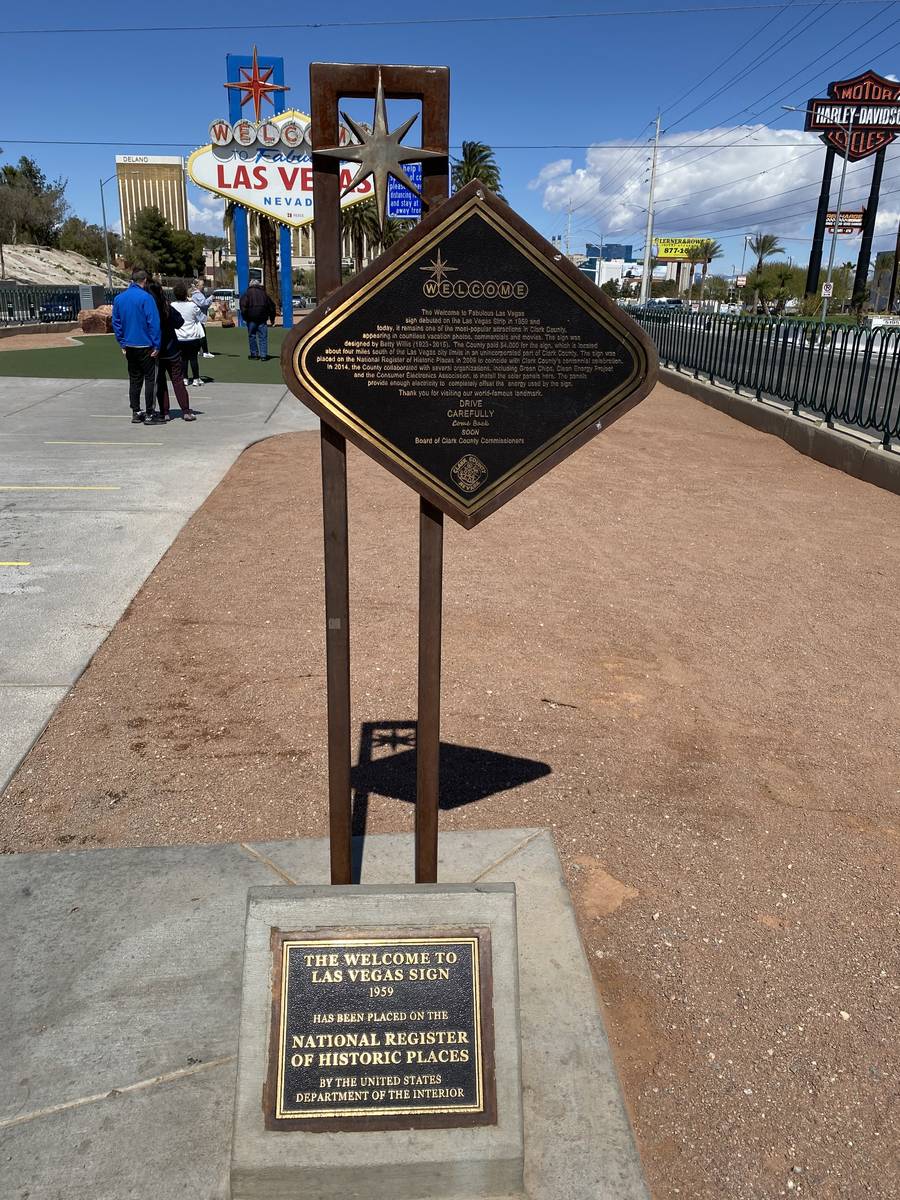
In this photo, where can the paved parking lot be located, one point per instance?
(89, 503)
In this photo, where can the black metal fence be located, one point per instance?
(36, 305)
(845, 373)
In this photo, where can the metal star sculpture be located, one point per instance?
(254, 86)
(379, 154)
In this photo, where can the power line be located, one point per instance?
(781, 214)
(800, 206)
(605, 205)
(513, 18)
(5, 141)
(722, 63)
(836, 63)
(781, 43)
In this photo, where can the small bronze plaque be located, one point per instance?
(381, 1029)
(470, 358)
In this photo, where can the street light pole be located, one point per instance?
(103, 183)
(837, 215)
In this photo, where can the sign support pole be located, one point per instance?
(892, 292)
(328, 82)
(287, 283)
(428, 727)
(326, 205)
(815, 254)
(865, 248)
(435, 189)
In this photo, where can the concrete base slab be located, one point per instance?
(120, 994)
(468, 1160)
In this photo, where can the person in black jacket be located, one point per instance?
(169, 358)
(257, 308)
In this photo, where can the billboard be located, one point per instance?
(678, 249)
(849, 223)
(870, 102)
(266, 166)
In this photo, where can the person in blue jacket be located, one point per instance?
(135, 322)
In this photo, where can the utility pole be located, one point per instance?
(648, 241)
(568, 228)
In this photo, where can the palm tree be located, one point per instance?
(359, 223)
(707, 250)
(763, 245)
(267, 243)
(476, 162)
(261, 230)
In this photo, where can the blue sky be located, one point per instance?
(557, 86)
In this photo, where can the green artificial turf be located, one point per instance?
(100, 358)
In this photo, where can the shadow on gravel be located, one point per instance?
(386, 766)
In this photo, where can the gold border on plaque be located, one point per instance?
(419, 250)
(294, 1114)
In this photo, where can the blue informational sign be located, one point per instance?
(401, 202)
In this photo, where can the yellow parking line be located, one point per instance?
(84, 443)
(57, 487)
(15, 564)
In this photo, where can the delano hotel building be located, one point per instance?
(148, 180)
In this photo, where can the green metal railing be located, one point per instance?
(845, 373)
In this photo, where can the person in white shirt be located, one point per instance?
(190, 334)
(203, 302)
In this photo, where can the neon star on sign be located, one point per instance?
(254, 86)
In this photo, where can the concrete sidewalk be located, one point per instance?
(89, 503)
(122, 995)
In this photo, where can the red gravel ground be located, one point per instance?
(694, 629)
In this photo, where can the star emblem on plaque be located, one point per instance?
(470, 358)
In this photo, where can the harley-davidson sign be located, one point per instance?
(869, 103)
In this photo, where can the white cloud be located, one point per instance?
(704, 191)
(553, 170)
(205, 211)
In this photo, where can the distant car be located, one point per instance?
(57, 308)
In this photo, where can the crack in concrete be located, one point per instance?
(46, 399)
(141, 1085)
(509, 854)
(277, 406)
(268, 863)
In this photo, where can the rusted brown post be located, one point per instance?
(326, 205)
(329, 82)
(428, 729)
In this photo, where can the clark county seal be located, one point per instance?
(469, 473)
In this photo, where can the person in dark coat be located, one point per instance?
(135, 322)
(169, 361)
(258, 309)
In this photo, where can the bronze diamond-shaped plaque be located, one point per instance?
(471, 358)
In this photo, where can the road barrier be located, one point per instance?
(846, 373)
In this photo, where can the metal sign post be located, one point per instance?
(328, 82)
(469, 359)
